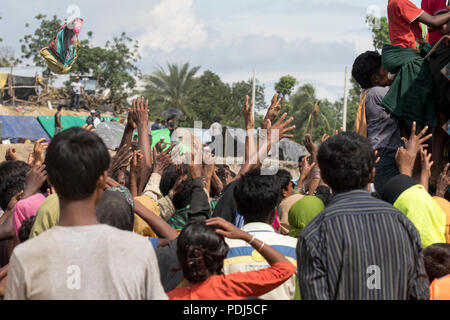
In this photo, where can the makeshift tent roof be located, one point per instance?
(48, 122)
(111, 133)
(15, 127)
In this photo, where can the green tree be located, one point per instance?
(379, 28)
(310, 114)
(285, 86)
(210, 100)
(174, 86)
(114, 66)
(7, 57)
(42, 36)
(118, 69)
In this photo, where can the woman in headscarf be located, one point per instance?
(302, 212)
(416, 203)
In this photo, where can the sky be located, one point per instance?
(312, 40)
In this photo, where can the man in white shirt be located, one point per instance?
(81, 258)
(257, 196)
(76, 93)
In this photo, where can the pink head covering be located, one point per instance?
(25, 209)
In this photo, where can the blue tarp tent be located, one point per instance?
(15, 127)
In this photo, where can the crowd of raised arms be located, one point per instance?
(358, 222)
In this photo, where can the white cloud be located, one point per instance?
(172, 24)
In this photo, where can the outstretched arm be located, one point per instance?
(434, 21)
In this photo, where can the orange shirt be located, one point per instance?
(236, 286)
(445, 205)
(440, 288)
(404, 28)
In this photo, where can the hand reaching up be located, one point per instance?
(34, 180)
(140, 111)
(120, 160)
(11, 154)
(443, 182)
(37, 156)
(163, 160)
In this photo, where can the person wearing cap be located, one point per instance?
(77, 88)
(91, 118)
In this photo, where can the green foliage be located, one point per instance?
(310, 114)
(380, 31)
(42, 36)
(285, 86)
(173, 88)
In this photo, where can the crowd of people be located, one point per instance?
(364, 218)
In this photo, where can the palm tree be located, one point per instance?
(174, 86)
(307, 110)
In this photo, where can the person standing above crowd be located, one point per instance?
(58, 124)
(77, 90)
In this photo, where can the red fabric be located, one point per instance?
(236, 286)
(404, 28)
(276, 222)
(440, 289)
(434, 7)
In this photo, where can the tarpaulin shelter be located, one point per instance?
(15, 127)
(48, 122)
(19, 86)
(111, 133)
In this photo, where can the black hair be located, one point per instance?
(301, 158)
(222, 173)
(114, 210)
(13, 168)
(9, 188)
(25, 228)
(365, 66)
(340, 168)
(257, 196)
(115, 176)
(75, 159)
(201, 252)
(324, 194)
(437, 260)
(284, 178)
(169, 177)
(60, 107)
(182, 199)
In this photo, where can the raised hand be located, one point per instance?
(227, 229)
(309, 144)
(283, 127)
(416, 141)
(140, 111)
(443, 182)
(111, 183)
(130, 122)
(121, 159)
(324, 138)
(274, 108)
(405, 161)
(34, 180)
(37, 156)
(248, 115)
(16, 198)
(89, 127)
(426, 164)
(11, 154)
(135, 164)
(163, 160)
(306, 168)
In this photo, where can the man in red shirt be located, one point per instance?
(405, 17)
(434, 8)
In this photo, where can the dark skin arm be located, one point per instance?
(129, 129)
(434, 21)
(164, 231)
(140, 117)
(6, 221)
(228, 230)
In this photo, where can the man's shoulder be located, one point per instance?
(376, 93)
